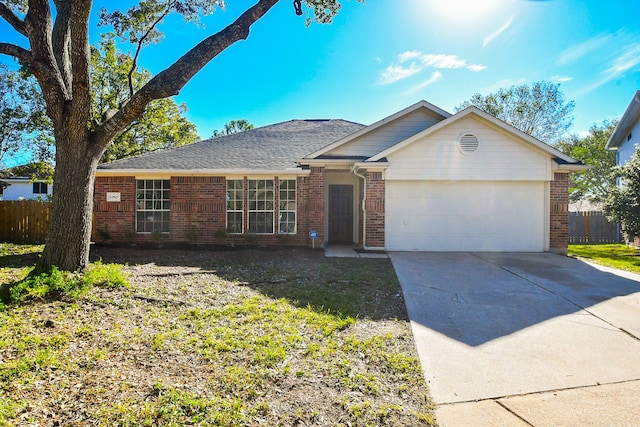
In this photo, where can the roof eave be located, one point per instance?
(472, 110)
(379, 123)
(571, 167)
(626, 123)
(200, 172)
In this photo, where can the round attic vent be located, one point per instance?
(468, 143)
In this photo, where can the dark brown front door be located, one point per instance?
(341, 214)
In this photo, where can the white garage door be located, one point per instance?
(465, 216)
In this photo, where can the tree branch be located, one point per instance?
(134, 64)
(61, 40)
(16, 51)
(169, 82)
(43, 64)
(81, 61)
(13, 19)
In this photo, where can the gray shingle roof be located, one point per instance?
(273, 147)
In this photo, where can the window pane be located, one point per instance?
(152, 205)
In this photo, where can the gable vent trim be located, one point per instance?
(468, 143)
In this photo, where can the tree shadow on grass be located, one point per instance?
(357, 287)
(19, 260)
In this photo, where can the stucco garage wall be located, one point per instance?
(465, 216)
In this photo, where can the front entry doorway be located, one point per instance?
(341, 214)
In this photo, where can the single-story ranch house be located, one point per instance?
(421, 179)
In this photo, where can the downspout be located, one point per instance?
(354, 170)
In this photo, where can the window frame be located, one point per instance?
(284, 205)
(40, 186)
(260, 205)
(234, 196)
(153, 204)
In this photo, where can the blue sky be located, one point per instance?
(381, 56)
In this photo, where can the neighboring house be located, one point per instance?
(626, 136)
(26, 182)
(420, 179)
(3, 185)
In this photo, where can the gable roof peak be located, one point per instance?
(422, 104)
(629, 118)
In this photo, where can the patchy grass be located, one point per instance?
(243, 338)
(616, 256)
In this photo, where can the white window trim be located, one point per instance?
(295, 209)
(241, 199)
(161, 200)
(250, 211)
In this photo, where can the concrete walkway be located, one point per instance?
(346, 251)
(524, 339)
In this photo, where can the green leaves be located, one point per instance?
(538, 110)
(234, 126)
(623, 203)
(22, 115)
(595, 183)
(139, 24)
(162, 125)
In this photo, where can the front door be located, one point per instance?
(341, 214)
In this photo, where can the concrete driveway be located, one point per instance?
(524, 339)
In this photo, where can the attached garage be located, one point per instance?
(465, 216)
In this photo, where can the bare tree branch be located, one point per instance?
(13, 19)
(171, 80)
(134, 65)
(16, 51)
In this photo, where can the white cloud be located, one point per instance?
(408, 55)
(435, 77)
(574, 53)
(491, 37)
(477, 67)
(393, 73)
(560, 79)
(629, 58)
(420, 61)
(443, 61)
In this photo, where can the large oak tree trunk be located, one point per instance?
(68, 241)
(59, 57)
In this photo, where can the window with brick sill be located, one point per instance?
(235, 206)
(260, 196)
(287, 207)
(152, 205)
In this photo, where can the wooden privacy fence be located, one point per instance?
(592, 228)
(25, 221)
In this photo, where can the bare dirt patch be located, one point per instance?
(210, 337)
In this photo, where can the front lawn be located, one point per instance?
(241, 338)
(616, 256)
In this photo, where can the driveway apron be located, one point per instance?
(503, 326)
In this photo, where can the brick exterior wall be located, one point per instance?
(197, 213)
(316, 202)
(198, 208)
(559, 215)
(114, 220)
(374, 206)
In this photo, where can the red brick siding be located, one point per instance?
(197, 213)
(198, 208)
(316, 202)
(374, 207)
(117, 219)
(559, 215)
